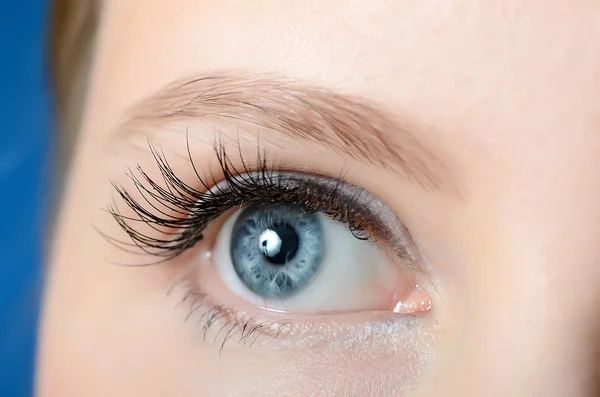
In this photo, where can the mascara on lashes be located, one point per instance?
(365, 214)
(180, 213)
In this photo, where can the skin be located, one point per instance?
(509, 93)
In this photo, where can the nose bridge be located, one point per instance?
(526, 346)
(532, 326)
(534, 329)
(546, 347)
(529, 318)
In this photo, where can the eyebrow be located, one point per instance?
(346, 125)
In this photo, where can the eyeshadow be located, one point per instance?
(366, 215)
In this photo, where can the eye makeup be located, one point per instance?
(169, 216)
(166, 217)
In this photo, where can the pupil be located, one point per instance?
(279, 244)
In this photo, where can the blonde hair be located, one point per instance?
(72, 41)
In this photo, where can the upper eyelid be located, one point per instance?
(182, 199)
(388, 225)
(344, 124)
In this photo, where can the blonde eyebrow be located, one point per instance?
(347, 125)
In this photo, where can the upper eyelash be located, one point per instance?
(180, 212)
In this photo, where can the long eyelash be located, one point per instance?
(179, 213)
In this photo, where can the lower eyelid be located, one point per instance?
(220, 324)
(377, 339)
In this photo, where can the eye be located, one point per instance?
(282, 258)
(267, 244)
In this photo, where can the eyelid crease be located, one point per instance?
(347, 125)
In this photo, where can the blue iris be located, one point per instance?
(276, 249)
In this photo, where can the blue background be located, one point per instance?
(25, 149)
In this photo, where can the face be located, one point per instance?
(332, 198)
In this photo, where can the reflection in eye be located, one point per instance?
(298, 244)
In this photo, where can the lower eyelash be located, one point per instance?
(220, 324)
(231, 326)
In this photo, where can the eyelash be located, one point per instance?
(233, 326)
(181, 213)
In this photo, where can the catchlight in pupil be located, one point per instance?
(279, 244)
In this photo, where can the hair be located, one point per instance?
(73, 28)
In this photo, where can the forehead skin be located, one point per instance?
(510, 91)
(473, 73)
